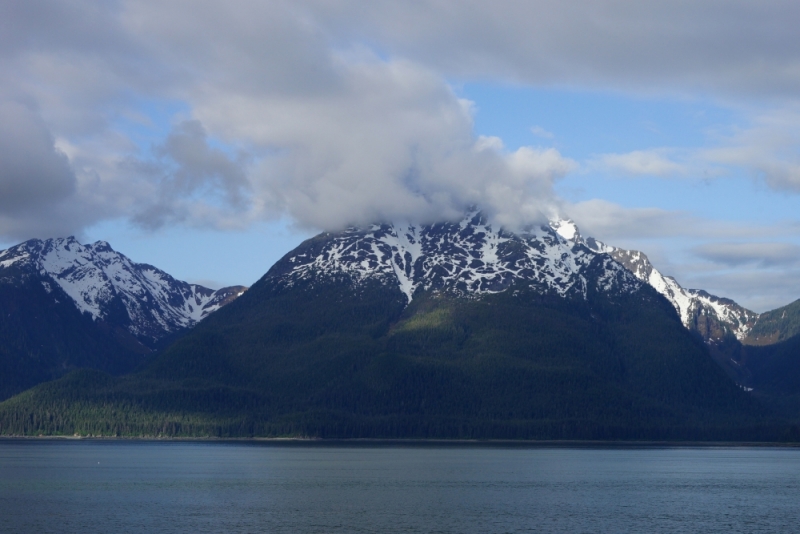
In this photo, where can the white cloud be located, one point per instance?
(612, 223)
(767, 148)
(277, 119)
(640, 163)
(538, 131)
(342, 112)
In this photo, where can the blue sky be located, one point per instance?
(210, 139)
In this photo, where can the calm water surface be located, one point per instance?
(96, 486)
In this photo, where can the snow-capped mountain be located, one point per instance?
(707, 314)
(108, 286)
(467, 258)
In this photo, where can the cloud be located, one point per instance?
(757, 254)
(760, 274)
(189, 175)
(387, 140)
(538, 131)
(281, 114)
(34, 172)
(767, 148)
(721, 47)
(640, 163)
(35, 176)
(407, 151)
(342, 112)
(608, 221)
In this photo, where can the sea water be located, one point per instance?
(152, 486)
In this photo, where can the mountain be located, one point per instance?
(775, 326)
(101, 282)
(760, 352)
(767, 362)
(712, 317)
(448, 330)
(466, 259)
(66, 305)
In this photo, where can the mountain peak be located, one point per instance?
(468, 258)
(101, 246)
(566, 228)
(110, 287)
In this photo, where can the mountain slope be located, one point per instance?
(448, 330)
(768, 361)
(775, 326)
(65, 305)
(712, 317)
(760, 352)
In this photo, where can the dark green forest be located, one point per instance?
(776, 326)
(45, 336)
(322, 359)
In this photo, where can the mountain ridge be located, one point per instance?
(97, 278)
(712, 317)
(483, 334)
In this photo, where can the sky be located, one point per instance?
(210, 138)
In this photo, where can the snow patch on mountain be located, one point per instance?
(469, 257)
(691, 304)
(99, 280)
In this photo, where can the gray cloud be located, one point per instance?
(32, 171)
(34, 175)
(38, 26)
(614, 223)
(759, 254)
(722, 46)
(199, 164)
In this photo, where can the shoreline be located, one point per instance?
(419, 442)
